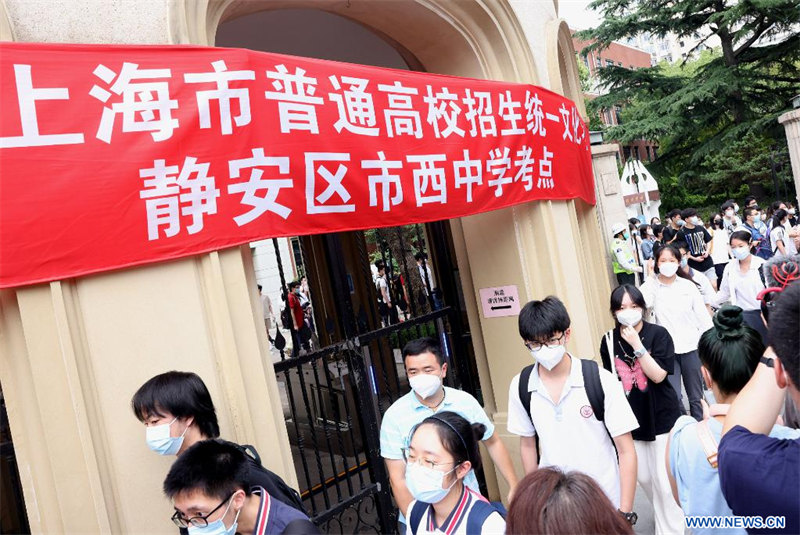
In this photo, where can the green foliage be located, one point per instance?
(713, 117)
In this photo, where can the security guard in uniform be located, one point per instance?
(622, 258)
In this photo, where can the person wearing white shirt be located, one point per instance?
(742, 281)
(560, 419)
(781, 239)
(702, 282)
(678, 306)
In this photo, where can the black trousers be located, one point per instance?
(626, 278)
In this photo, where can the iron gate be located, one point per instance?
(334, 396)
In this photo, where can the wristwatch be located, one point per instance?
(769, 361)
(640, 352)
(631, 517)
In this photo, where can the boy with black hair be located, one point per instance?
(673, 226)
(211, 491)
(697, 239)
(177, 411)
(426, 369)
(570, 411)
(759, 474)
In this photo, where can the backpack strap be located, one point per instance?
(708, 442)
(524, 393)
(477, 516)
(594, 388)
(417, 512)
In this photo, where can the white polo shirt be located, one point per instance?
(679, 308)
(570, 437)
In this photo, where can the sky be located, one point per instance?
(577, 14)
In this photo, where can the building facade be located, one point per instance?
(72, 352)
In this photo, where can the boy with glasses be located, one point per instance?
(211, 493)
(570, 413)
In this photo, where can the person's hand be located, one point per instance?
(630, 335)
(638, 269)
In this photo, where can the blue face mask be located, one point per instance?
(159, 440)
(217, 527)
(425, 484)
(684, 262)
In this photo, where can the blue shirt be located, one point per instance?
(408, 411)
(698, 483)
(760, 476)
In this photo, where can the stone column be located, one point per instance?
(610, 205)
(791, 122)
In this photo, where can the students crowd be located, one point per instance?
(723, 328)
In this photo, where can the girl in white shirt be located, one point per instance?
(782, 243)
(442, 450)
(678, 307)
(742, 281)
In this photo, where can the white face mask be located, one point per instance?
(425, 384)
(629, 316)
(791, 211)
(159, 440)
(740, 253)
(694, 220)
(549, 357)
(425, 484)
(729, 212)
(668, 269)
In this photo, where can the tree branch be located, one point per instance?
(757, 33)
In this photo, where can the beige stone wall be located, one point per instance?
(791, 123)
(73, 352)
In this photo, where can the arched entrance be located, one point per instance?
(332, 413)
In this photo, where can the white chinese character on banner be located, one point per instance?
(577, 126)
(401, 117)
(508, 111)
(565, 118)
(546, 170)
(317, 204)
(429, 177)
(356, 108)
(224, 94)
(442, 106)
(145, 106)
(525, 167)
(171, 192)
(468, 173)
(385, 180)
(479, 113)
(296, 100)
(27, 96)
(498, 164)
(269, 201)
(534, 115)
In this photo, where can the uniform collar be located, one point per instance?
(456, 516)
(416, 404)
(263, 510)
(574, 379)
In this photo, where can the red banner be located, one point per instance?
(116, 156)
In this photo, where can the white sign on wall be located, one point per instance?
(500, 301)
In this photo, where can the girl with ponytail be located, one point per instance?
(729, 353)
(677, 306)
(442, 450)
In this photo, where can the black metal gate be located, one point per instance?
(335, 390)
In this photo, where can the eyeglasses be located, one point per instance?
(410, 458)
(199, 521)
(553, 342)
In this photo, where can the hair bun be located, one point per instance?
(729, 323)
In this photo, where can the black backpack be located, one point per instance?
(272, 482)
(591, 382)
(286, 316)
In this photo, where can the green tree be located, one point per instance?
(701, 111)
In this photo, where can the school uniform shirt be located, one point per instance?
(706, 290)
(275, 517)
(655, 405)
(759, 476)
(720, 254)
(780, 234)
(408, 411)
(570, 437)
(679, 308)
(456, 522)
(741, 290)
(697, 239)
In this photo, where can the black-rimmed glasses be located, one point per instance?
(553, 342)
(199, 521)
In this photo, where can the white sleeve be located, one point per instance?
(700, 311)
(706, 289)
(648, 291)
(519, 421)
(724, 293)
(619, 417)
